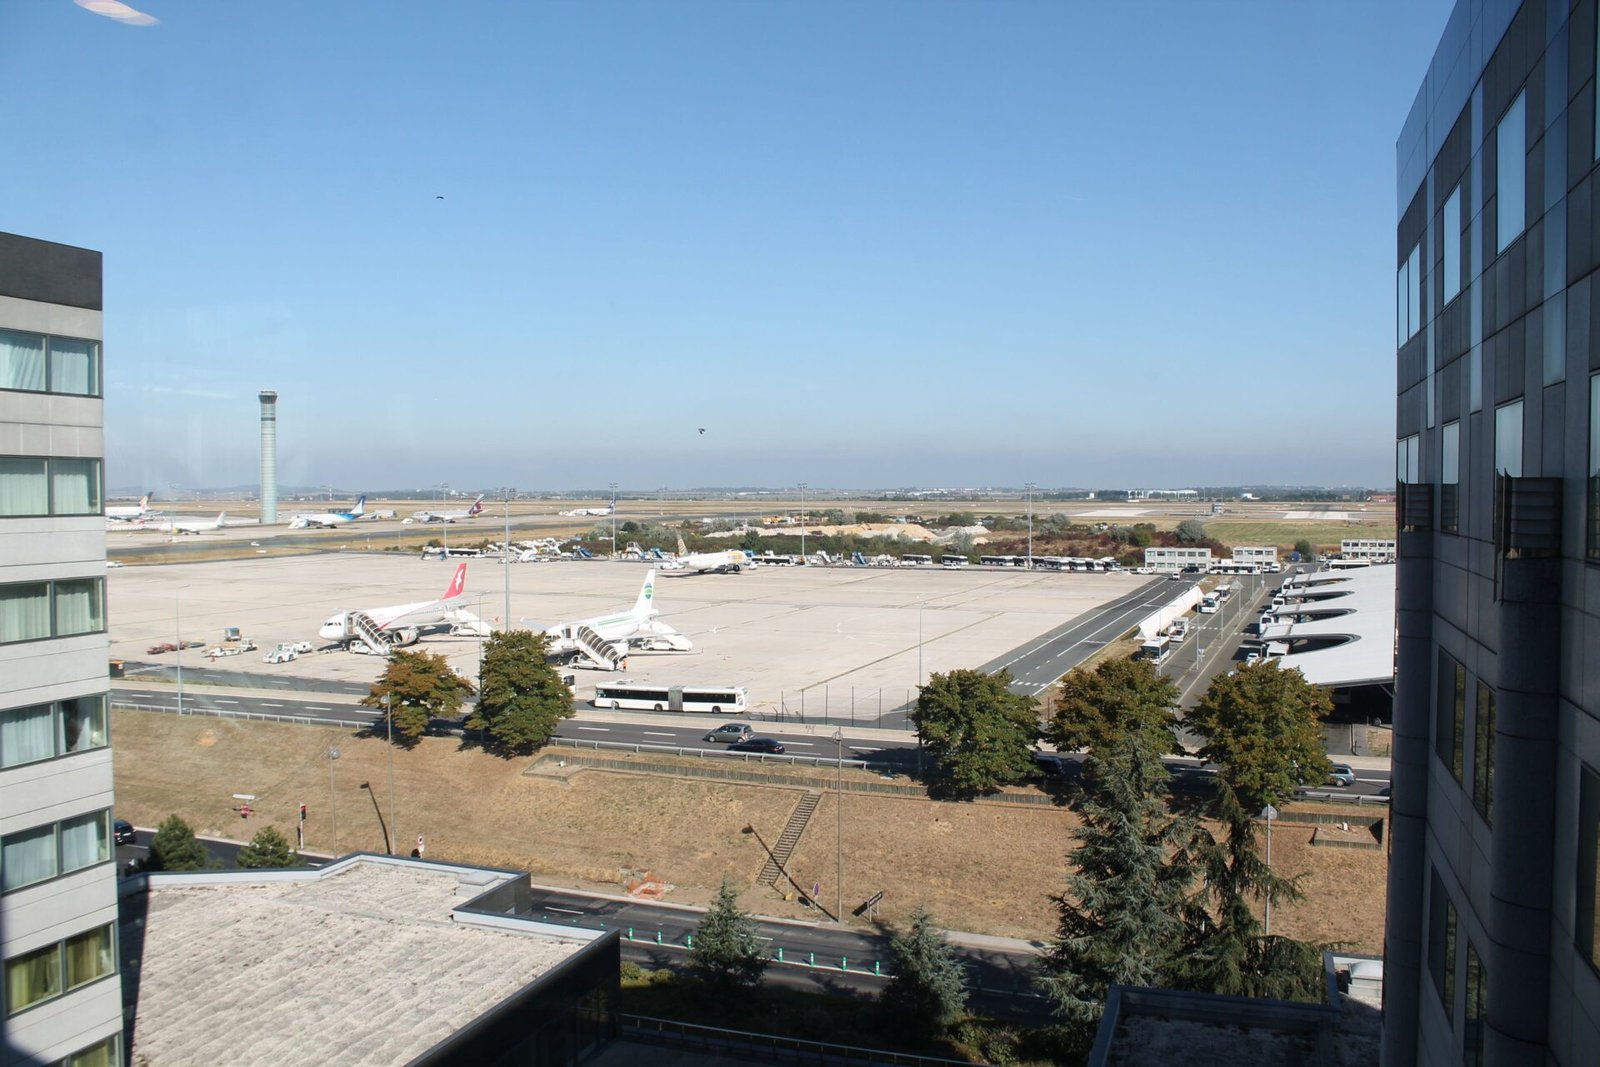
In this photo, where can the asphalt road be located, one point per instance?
(1038, 665)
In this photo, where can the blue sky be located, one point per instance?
(862, 244)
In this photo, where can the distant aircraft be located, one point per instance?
(329, 519)
(177, 526)
(451, 516)
(727, 561)
(399, 623)
(138, 514)
(606, 639)
(589, 511)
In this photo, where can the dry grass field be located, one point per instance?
(988, 868)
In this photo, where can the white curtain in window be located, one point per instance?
(28, 857)
(75, 486)
(21, 360)
(27, 734)
(23, 488)
(103, 1054)
(83, 724)
(78, 607)
(84, 842)
(88, 956)
(24, 611)
(32, 978)
(72, 366)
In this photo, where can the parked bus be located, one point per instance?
(628, 695)
(949, 560)
(1209, 603)
(997, 561)
(913, 559)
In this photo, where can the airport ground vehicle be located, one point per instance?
(281, 653)
(730, 731)
(218, 651)
(629, 695)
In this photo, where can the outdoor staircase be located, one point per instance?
(779, 858)
(600, 651)
(368, 634)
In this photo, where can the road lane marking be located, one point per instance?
(265, 704)
(313, 707)
(597, 729)
(656, 733)
(224, 700)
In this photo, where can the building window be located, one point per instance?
(1450, 715)
(30, 611)
(1407, 459)
(1477, 1007)
(37, 363)
(1588, 904)
(1442, 944)
(41, 853)
(46, 973)
(1450, 478)
(1593, 537)
(104, 1053)
(1508, 439)
(36, 485)
(45, 731)
(1452, 245)
(1511, 164)
(1408, 297)
(1483, 755)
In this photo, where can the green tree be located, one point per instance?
(980, 732)
(927, 990)
(1308, 551)
(419, 686)
(727, 946)
(1263, 728)
(1191, 532)
(1230, 955)
(523, 696)
(268, 848)
(174, 848)
(1095, 709)
(1128, 911)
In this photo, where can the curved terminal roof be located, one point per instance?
(1357, 645)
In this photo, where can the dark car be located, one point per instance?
(122, 832)
(758, 744)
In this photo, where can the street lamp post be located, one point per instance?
(333, 800)
(919, 642)
(802, 522)
(1269, 813)
(177, 622)
(1029, 487)
(613, 520)
(838, 802)
(505, 620)
(393, 826)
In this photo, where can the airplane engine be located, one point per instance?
(403, 637)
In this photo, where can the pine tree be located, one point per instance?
(927, 989)
(523, 696)
(268, 848)
(1127, 909)
(174, 848)
(727, 948)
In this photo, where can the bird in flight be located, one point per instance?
(438, 198)
(702, 431)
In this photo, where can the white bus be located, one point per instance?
(1209, 604)
(628, 695)
(915, 559)
(948, 560)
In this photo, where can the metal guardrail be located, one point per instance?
(222, 713)
(768, 1048)
(703, 753)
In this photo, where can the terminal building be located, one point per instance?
(1492, 944)
(58, 882)
(1173, 560)
(1369, 549)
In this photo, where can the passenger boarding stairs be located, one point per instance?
(597, 650)
(362, 628)
(778, 859)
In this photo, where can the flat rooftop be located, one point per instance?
(360, 963)
(1359, 614)
(775, 630)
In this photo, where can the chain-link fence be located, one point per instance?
(858, 706)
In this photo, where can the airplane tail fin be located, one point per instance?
(361, 505)
(457, 584)
(221, 516)
(682, 551)
(477, 506)
(647, 593)
(144, 503)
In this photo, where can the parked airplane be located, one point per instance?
(589, 511)
(727, 561)
(329, 519)
(398, 624)
(605, 640)
(138, 514)
(450, 516)
(177, 526)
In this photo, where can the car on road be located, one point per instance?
(768, 745)
(1049, 765)
(730, 732)
(1342, 774)
(122, 832)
